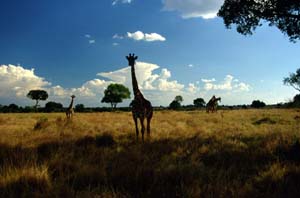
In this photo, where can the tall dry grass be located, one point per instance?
(240, 153)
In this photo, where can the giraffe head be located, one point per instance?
(131, 59)
(73, 96)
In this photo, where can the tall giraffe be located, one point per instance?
(141, 108)
(212, 104)
(70, 110)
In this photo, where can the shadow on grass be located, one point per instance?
(183, 167)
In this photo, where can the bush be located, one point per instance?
(258, 104)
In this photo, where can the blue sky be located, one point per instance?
(79, 47)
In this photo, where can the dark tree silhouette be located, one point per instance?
(79, 108)
(258, 104)
(249, 14)
(296, 100)
(199, 102)
(179, 99)
(37, 95)
(176, 103)
(114, 94)
(293, 80)
(53, 107)
(13, 108)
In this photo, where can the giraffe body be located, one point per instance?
(212, 104)
(141, 107)
(70, 109)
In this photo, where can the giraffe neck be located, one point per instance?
(71, 105)
(135, 86)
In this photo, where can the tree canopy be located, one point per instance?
(37, 95)
(53, 107)
(293, 80)
(176, 103)
(247, 15)
(114, 94)
(178, 98)
(199, 102)
(258, 104)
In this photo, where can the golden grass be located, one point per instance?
(239, 153)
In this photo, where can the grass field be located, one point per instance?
(239, 153)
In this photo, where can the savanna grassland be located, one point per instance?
(238, 153)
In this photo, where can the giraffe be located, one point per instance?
(212, 104)
(141, 108)
(70, 110)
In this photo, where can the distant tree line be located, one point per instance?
(115, 93)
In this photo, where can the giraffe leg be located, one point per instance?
(136, 128)
(143, 127)
(148, 126)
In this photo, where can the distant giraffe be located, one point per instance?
(141, 108)
(212, 104)
(70, 110)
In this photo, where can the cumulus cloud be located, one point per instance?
(155, 82)
(192, 88)
(206, 9)
(146, 77)
(229, 83)
(17, 81)
(140, 36)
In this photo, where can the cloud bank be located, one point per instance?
(155, 82)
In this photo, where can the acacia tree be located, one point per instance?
(293, 80)
(114, 94)
(176, 103)
(37, 95)
(247, 15)
(199, 102)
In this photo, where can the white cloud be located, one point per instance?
(17, 81)
(206, 9)
(192, 88)
(228, 84)
(146, 78)
(92, 41)
(116, 36)
(156, 84)
(115, 44)
(208, 80)
(114, 2)
(140, 36)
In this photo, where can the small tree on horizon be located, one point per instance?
(114, 94)
(176, 103)
(37, 95)
(79, 108)
(199, 102)
(53, 107)
(258, 104)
